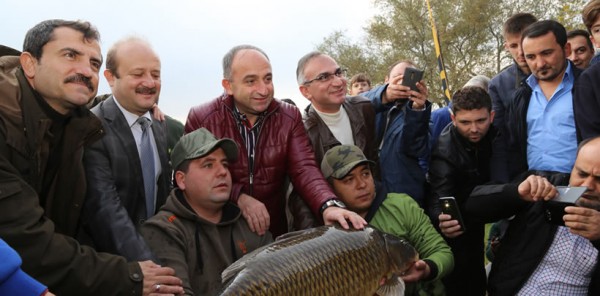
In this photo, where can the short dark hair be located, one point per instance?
(230, 55)
(590, 13)
(184, 167)
(517, 23)
(360, 77)
(471, 98)
(582, 33)
(541, 28)
(42, 33)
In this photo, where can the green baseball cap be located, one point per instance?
(340, 160)
(199, 143)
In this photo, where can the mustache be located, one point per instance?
(146, 90)
(77, 78)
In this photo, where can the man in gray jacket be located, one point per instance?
(126, 186)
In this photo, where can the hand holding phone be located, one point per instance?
(567, 196)
(450, 207)
(411, 77)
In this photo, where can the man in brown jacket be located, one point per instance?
(44, 127)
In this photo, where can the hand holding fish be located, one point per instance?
(418, 271)
(332, 215)
(255, 213)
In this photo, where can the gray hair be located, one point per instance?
(228, 58)
(302, 64)
(478, 80)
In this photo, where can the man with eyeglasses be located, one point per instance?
(402, 132)
(273, 145)
(332, 118)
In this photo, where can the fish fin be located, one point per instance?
(392, 286)
(297, 232)
(232, 270)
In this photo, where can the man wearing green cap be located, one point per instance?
(349, 173)
(198, 232)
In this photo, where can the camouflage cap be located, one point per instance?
(199, 143)
(340, 160)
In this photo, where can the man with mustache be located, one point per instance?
(540, 123)
(44, 128)
(537, 257)
(126, 186)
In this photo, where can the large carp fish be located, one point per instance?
(326, 260)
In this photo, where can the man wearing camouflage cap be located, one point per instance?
(349, 173)
(198, 232)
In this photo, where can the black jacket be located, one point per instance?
(515, 127)
(456, 167)
(526, 241)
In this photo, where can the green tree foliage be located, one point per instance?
(470, 33)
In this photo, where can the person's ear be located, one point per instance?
(28, 63)
(304, 91)
(110, 77)
(180, 179)
(492, 114)
(227, 86)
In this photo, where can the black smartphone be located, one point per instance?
(567, 196)
(450, 207)
(411, 77)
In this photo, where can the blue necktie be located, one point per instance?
(147, 161)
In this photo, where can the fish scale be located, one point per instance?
(326, 260)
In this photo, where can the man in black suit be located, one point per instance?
(128, 171)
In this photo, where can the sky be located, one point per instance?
(191, 37)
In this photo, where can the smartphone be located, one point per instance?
(568, 194)
(555, 208)
(411, 77)
(450, 207)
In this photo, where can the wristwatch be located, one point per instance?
(332, 203)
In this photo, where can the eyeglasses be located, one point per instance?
(324, 77)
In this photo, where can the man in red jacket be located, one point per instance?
(273, 145)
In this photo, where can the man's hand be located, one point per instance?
(157, 113)
(395, 90)
(255, 213)
(419, 98)
(450, 228)
(160, 280)
(536, 188)
(418, 271)
(335, 214)
(583, 221)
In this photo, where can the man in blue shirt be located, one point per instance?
(541, 126)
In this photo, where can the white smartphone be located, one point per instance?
(568, 194)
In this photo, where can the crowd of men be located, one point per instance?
(108, 196)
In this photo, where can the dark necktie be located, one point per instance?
(147, 162)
